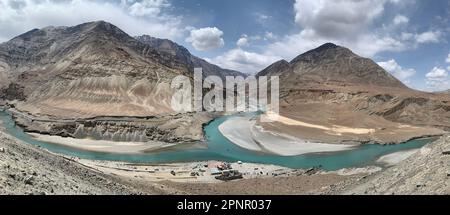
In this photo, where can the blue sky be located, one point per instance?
(409, 38)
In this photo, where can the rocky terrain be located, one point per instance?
(426, 172)
(331, 87)
(25, 169)
(179, 128)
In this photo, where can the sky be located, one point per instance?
(409, 38)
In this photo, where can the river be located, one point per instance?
(220, 148)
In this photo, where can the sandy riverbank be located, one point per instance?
(102, 145)
(243, 132)
(335, 129)
(338, 123)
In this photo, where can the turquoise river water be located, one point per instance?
(220, 148)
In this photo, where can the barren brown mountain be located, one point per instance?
(331, 94)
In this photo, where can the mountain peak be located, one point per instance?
(99, 23)
(100, 27)
(326, 46)
(332, 64)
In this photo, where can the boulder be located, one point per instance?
(29, 180)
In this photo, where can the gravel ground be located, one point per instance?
(26, 169)
(427, 172)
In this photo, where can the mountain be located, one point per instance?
(332, 64)
(89, 69)
(330, 88)
(275, 69)
(182, 54)
(93, 69)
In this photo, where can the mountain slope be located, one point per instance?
(275, 69)
(182, 54)
(92, 69)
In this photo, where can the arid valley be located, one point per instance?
(86, 110)
(208, 106)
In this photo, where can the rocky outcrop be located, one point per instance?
(181, 128)
(12, 92)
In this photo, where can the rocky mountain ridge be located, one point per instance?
(331, 64)
(182, 54)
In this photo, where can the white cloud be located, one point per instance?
(244, 61)
(136, 18)
(407, 36)
(365, 45)
(400, 20)
(438, 86)
(428, 37)
(437, 79)
(262, 18)
(337, 19)
(349, 23)
(269, 36)
(243, 41)
(147, 7)
(205, 39)
(437, 74)
(448, 59)
(421, 38)
(398, 71)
